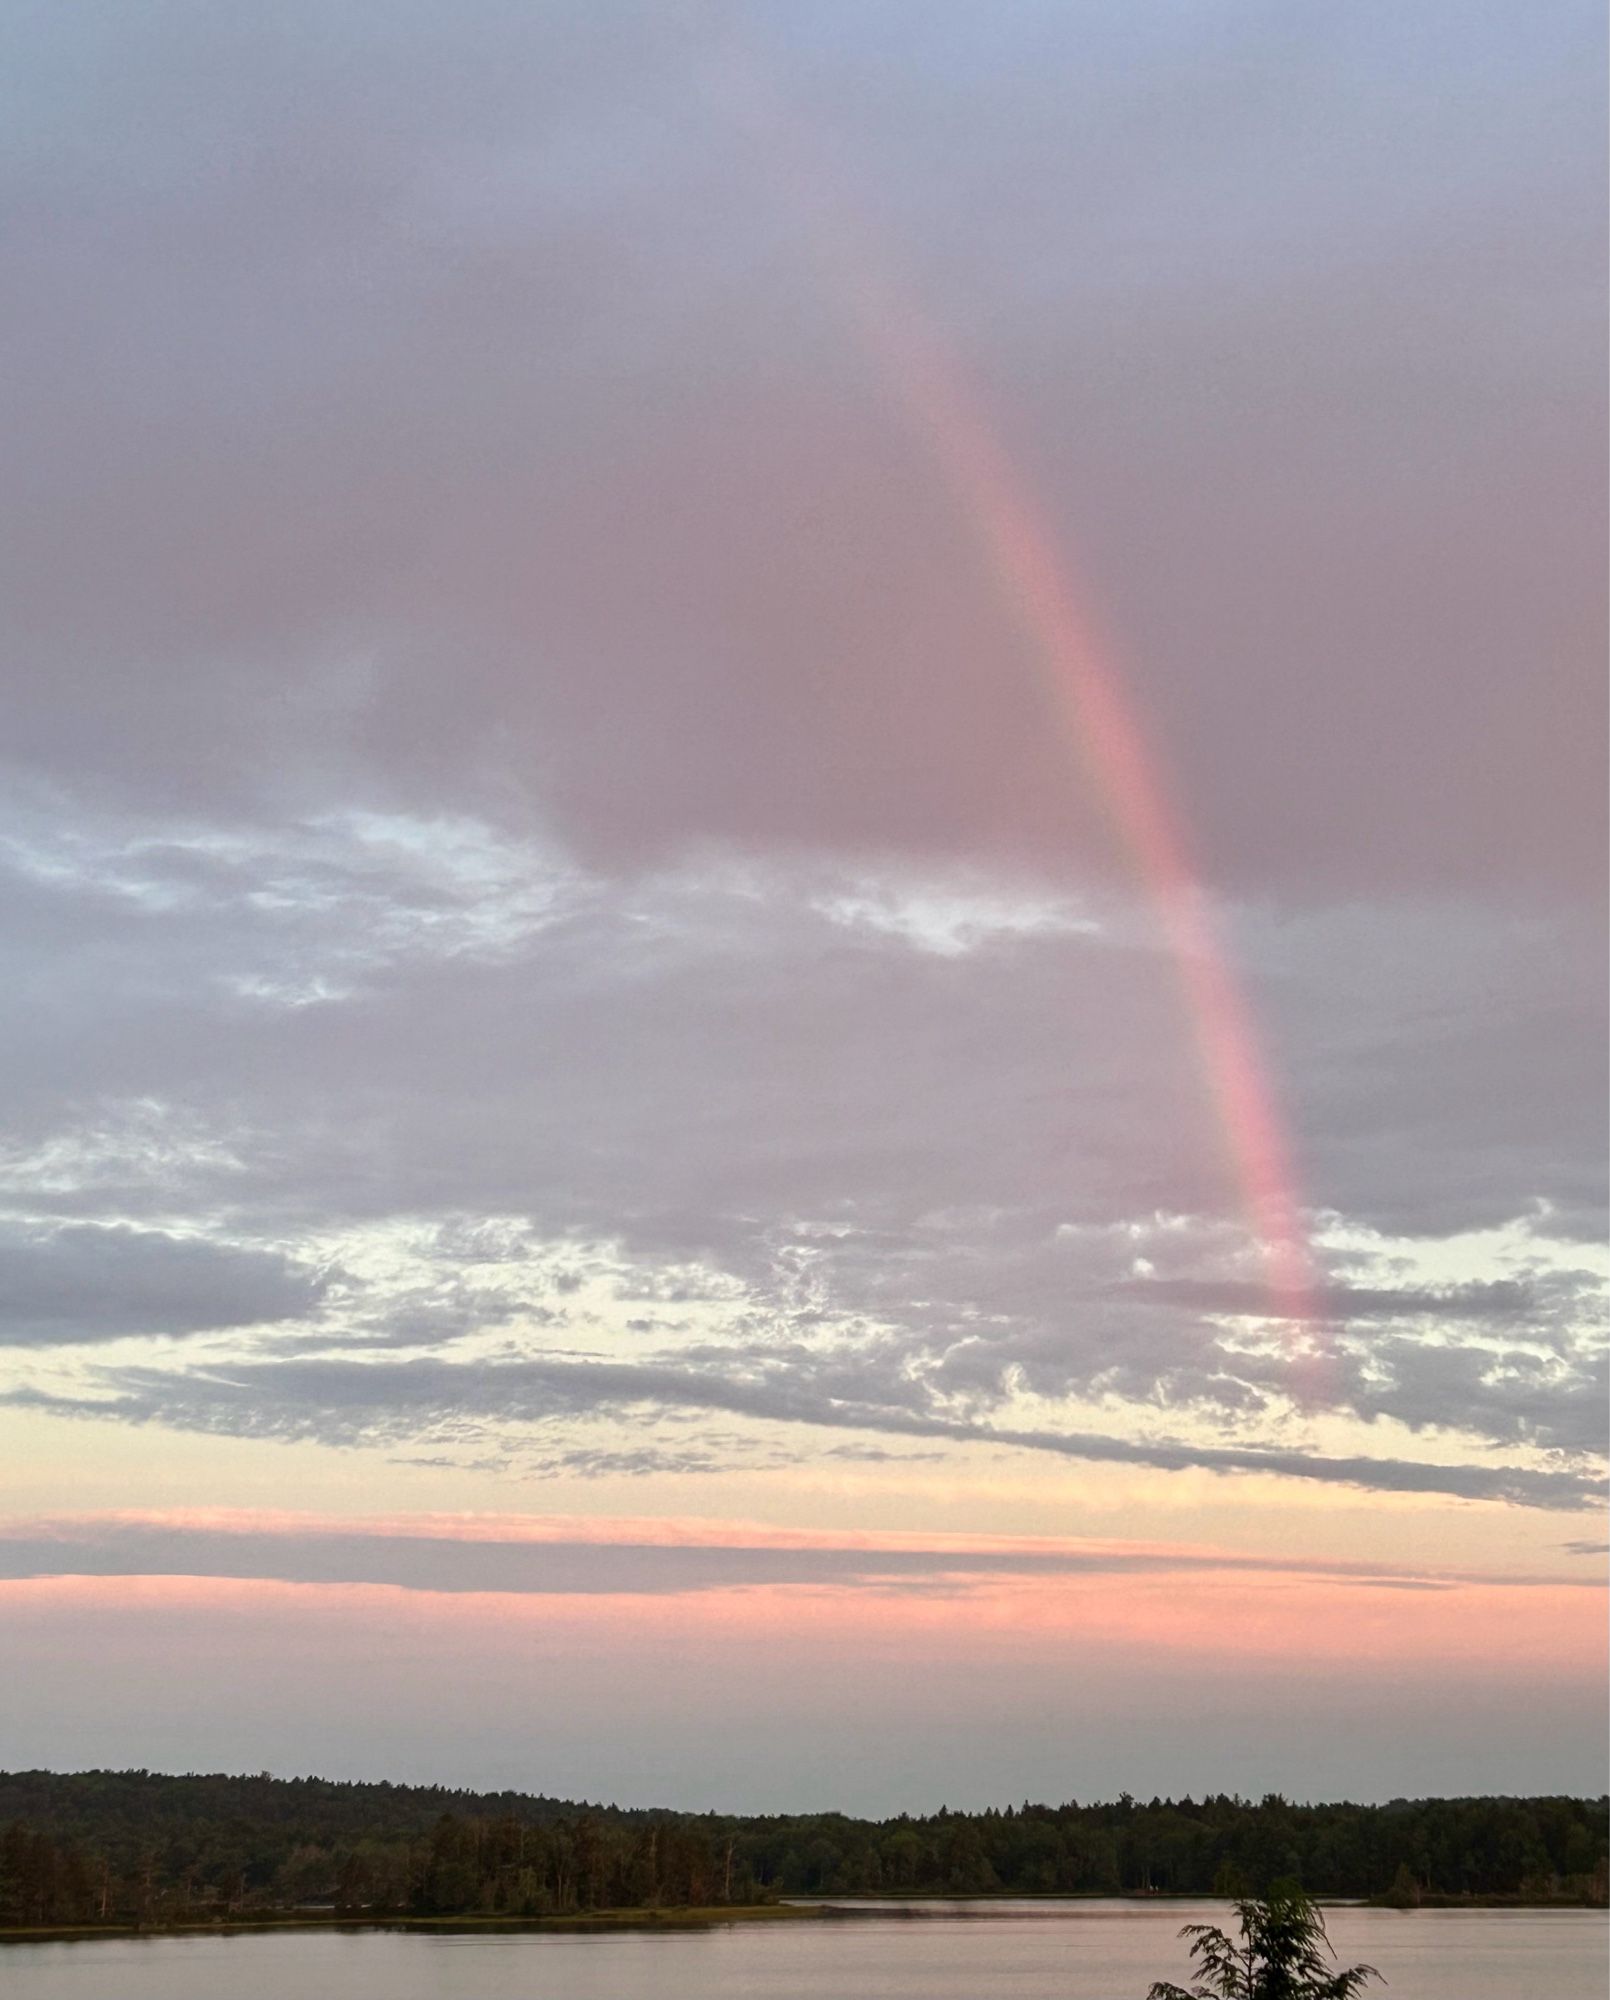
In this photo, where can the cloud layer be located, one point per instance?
(716, 1142)
(550, 920)
(538, 1557)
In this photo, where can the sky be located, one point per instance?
(802, 841)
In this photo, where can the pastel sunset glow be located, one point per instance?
(804, 868)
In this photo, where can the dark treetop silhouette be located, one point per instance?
(1283, 1954)
(139, 1847)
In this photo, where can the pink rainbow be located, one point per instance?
(998, 505)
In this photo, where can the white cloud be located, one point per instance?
(951, 920)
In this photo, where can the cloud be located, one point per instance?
(1510, 1395)
(505, 449)
(1506, 1300)
(855, 1182)
(949, 919)
(527, 796)
(366, 1401)
(86, 1282)
(539, 1558)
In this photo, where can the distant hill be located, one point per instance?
(139, 1846)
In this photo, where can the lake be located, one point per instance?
(1036, 1951)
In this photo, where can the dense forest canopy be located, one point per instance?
(139, 1847)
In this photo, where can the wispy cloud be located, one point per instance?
(345, 1402)
(546, 1556)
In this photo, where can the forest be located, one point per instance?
(140, 1848)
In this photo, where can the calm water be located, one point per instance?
(1084, 1951)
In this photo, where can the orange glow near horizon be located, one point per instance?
(1231, 1619)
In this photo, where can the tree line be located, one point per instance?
(137, 1847)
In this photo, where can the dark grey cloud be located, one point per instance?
(1511, 1396)
(348, 1402)
(86, 1282)
(1452, 1028)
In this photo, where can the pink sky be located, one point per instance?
(803, 846)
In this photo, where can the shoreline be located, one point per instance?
(707, 1918)
(581, 1920)
(1430, 1900)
